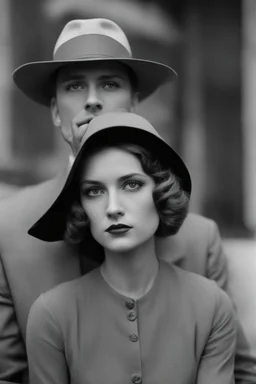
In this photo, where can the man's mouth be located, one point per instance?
(118, 228)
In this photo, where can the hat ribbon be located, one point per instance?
(90, 46)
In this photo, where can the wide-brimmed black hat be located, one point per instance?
(92, 40)
(107, 129)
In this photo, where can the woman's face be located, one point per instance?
(117, 196)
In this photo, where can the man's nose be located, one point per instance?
(114, 208)
(93, 102)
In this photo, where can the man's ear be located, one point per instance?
(135, 101)
(55, 113)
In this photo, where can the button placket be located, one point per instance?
(132, 320)
(136, 378)
(130, 303)
(133, 337)
(132, 316)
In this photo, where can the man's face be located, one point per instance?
(86, 90)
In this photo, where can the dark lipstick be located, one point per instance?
(118, 228)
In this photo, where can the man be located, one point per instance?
(93, 72)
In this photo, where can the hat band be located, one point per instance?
(90, 46)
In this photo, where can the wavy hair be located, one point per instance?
(170, 199)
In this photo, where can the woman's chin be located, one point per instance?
(124, 244)
(120, 249)
(120, 246)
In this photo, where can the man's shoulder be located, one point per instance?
(25, 193)
(197, 228)
(197, 222)
(26, 205)
(196, 231)
(190, 246)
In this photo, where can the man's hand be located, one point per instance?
(78, 130)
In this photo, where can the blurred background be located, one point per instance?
(208, 115)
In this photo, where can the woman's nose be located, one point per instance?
(114, 208)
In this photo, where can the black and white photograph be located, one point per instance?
(127, 192)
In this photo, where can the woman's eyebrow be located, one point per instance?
(129, 176)
(120, 179)
(94, 182)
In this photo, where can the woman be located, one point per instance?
(133, 319)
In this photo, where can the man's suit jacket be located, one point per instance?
(29, 266)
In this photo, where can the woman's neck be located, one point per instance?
(131, 273)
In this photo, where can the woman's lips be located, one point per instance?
(118, 229)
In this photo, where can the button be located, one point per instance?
(132, 316)
(129, 303)
(137, 378)
(134, 337)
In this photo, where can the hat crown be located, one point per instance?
(118, 119)
(104, 27)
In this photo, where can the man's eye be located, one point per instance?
(75, 87)
(110, 85)
(133, 185)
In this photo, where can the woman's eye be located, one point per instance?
(74, 87)
(132, 185)
(93, 192)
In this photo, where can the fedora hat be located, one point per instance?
(89, 41)
(107, 129)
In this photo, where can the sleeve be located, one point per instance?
(45, 346)
(245, 361)
(216, 260)
(217, 362)
(13, 359)
(217, 269)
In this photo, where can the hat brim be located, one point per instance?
(52, 225)
(35, 79)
